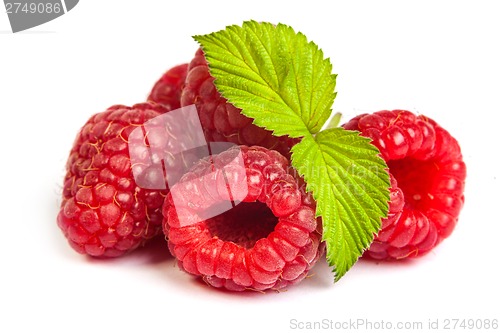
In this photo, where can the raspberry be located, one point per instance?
(270, 239)
(104, 213)
(221, 121)
(167, 90)
(427, 181)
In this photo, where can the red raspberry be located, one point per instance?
(104, 213)
(167, 90)
(427, 180)
(221, 121)
(269, 240)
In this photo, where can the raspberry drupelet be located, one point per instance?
(168, 89)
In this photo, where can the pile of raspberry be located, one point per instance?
(265, 236)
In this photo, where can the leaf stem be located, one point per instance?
(334, 121)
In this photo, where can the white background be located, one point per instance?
(437, 58)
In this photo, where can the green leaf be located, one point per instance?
(350, 183)
(283, 82)
(273, 74)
